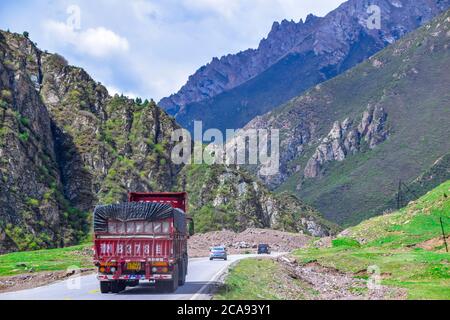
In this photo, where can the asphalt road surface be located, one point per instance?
(202, 276)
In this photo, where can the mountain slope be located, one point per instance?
(405, 247)
(346, 143)
(294, 57)
(67, 145)
(228, 198)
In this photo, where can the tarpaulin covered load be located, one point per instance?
(137, 211)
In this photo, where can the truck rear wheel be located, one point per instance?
(117, 286)
(172, 285)
(105, 287)
(182, 274)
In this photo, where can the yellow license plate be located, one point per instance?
(136, 266)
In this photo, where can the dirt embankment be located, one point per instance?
(330, 284)
(33, 280)
(246, 242)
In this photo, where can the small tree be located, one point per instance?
(138, 101)
(26, 34)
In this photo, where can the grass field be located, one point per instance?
(46, 260)
(254, 279)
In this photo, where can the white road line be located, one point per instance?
(210, 282)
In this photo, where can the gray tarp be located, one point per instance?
(137, 211)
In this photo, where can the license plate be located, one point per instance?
(135, 266)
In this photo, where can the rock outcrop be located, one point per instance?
(346, 139)
(224, 197)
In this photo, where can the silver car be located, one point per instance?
(218, 253)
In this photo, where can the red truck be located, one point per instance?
(143, 239)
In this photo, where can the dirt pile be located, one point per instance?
(246, 242)
(331, 284)
(435, 244)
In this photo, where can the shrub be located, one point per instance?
(5, 93)
(24, 136)
(24, 121)
(33, 202)
(159, 148)
(74, 95)
(3, 104)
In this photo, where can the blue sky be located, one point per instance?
(148, 48)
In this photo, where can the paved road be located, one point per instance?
(202, 274)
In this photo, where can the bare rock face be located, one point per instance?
(66, 144)
(29, 176)
(345, 139)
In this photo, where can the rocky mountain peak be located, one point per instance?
(300, 54)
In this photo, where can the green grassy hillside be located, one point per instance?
(407, 246)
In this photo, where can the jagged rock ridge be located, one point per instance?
(229, 92)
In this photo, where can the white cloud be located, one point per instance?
(97, 42)
(148, 48)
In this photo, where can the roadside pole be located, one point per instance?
(443, 234)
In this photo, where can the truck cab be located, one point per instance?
(144, 239)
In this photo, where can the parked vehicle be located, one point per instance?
(218, 253)
(263, 249)
(144, 239)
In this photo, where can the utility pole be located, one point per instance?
(399, 195)
(443, 234)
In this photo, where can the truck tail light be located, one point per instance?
(160, 269)
(160, 264)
